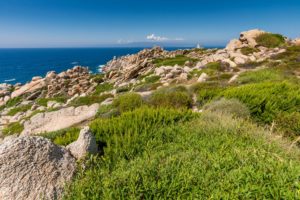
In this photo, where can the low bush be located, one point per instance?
(18, 109)
(152, 79)
(89, 100)
(268, 99)
(248, 50)
(157, 154)
(228, 106)
(147, 87)
(270, 40)
(44, 101)
(13, 102)
(124, 89)
(177, 97)
(288, 124)
(104, 87)
(107, 111)
(260, 76)
(13, 128)
(128, 102)
(207, 91)
(177, 60)
(63, 137)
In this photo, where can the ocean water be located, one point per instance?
(20, 65)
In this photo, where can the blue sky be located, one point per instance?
(92, 23)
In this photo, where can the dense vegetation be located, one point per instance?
(163, 153)
(270, 40)
(178, 60)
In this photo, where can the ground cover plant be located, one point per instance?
(162, 154)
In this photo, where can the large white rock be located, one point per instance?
(85, 144)
(203, 77)
(249, 37)
(234, 44)
(296, 41)
(29, 87)
(34, 168)
(57, 120)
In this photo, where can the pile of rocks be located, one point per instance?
(131, 66)
(68, 83)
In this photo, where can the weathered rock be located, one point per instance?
(296, 41)
(57, 120)
(249, 37)
(85, 144)
(33, 168)
(29, 88)
(203, 77)
(234, 44)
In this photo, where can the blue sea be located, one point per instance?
(20, 65)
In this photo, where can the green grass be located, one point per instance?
(89, 100)
(266, 100)
(159, 154)
(248, 50)
(63, 137)
(13, 102)
(228, 106)
(177, 60)
(152, 79)
(18, 109)
(13, 128)
(104, 87)
(174, 97)
(44, 101)
(260, 76)
(270, 40)
(146, 87)
(128, 102)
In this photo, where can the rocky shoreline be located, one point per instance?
(73, 98)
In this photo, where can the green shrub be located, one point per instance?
(18, 109)
(63, 137)
(260, 76)
(149, 155)
(177, 97)
(98, 78)
(124, 89)
(13, 128)
(289, 124)
(177, 60)
(44, 101)
(89, 100)
(270, 40)
(107, 111)
(147, 87)
(207, 91)
(121, 132)
(104, 87)
(266, 100)
(128, 102)
(228, 106)
(12, 102)
(248, 50)
(152, 79)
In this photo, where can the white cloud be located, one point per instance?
(153, 37)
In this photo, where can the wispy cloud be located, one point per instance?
(153, 37)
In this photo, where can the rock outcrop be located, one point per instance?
(247, 39)
(85, 144)
(33, 168)
(57, 120)
(69, 83)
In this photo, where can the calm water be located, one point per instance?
(20, 65)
